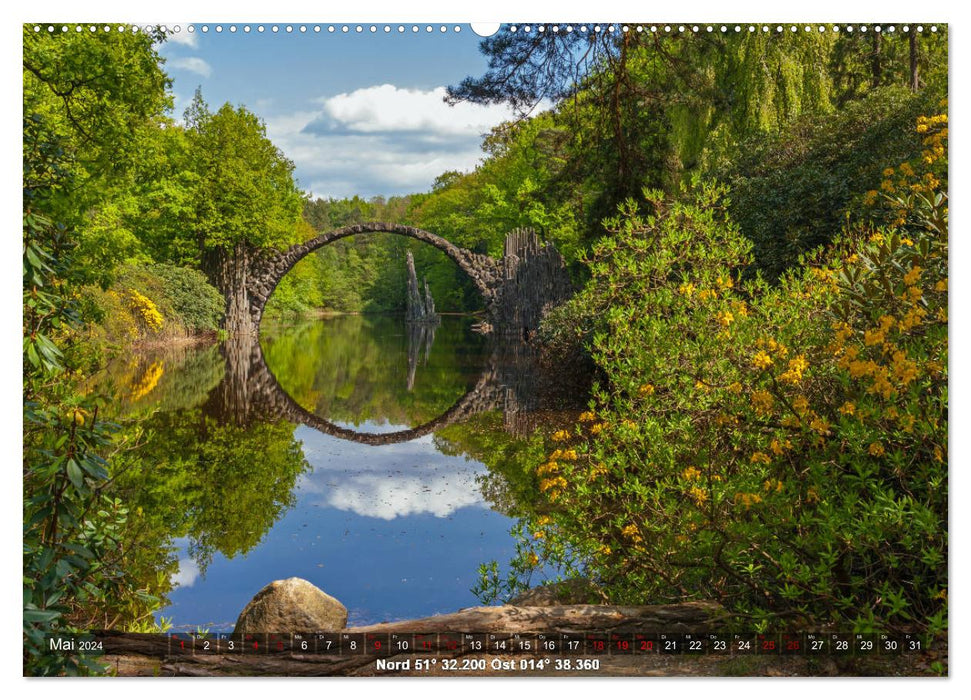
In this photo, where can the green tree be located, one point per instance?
(244, 199)
(88, 100)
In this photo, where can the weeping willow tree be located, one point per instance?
(741, 85)
(647, 108)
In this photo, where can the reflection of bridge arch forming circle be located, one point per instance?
(266, 272)
(482, 397)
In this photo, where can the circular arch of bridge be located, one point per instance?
(463, 258)
(311, 420)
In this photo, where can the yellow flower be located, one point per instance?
(904, 369)
(762, 360)
(687, 289)
(820, 425)
(547, 468)
(587, 416)
(941, 286)
(800, 403)
(848, 408)
(797, 366)
(605, 549)
(912, 276)
(735, 388)
(646, 390)
(691, 473)
(760, 457)
(551, 483)
(876, 449)
(544, 520)
(533, 559)
(569, 455)
(560, 436)
(146, 310)
(631, 532)
(538, 535)
(748, 499)
(873, 337)
(725, 318)
(698, 494)
(598, 471)
(596, 428)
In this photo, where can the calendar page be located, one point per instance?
(437, 349)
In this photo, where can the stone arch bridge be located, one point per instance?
(511, 380)
(517, 289)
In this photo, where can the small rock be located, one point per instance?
(292, 605)
(576, 591)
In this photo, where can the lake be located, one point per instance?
(382, 461)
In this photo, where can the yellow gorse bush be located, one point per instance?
(145, 310)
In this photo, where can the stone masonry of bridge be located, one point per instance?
(516, 290)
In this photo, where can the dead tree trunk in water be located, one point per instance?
(420, 308)
(227, 270)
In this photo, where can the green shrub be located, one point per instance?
(791, 191)
(196, 304)
(153, 302)
(782, 449)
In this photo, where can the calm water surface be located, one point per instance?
(324, 454)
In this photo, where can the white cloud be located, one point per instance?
(183, 37)
(191, 63)
(382, 140)
(389, 109)
(186, 575)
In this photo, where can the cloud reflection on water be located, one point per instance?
(387, 482)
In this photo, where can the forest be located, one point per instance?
(756, 224)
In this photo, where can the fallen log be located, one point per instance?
(139, 654)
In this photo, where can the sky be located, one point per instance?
(357, 113)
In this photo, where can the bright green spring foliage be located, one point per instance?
(781, 449)
(87, 100)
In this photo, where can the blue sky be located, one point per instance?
(358, 113)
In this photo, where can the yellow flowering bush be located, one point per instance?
(791, 462)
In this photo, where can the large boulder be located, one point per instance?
(292, 605)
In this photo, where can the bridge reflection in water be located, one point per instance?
(512, 380)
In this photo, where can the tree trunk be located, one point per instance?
(227, 270)
(914, 77)
(875, 68)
